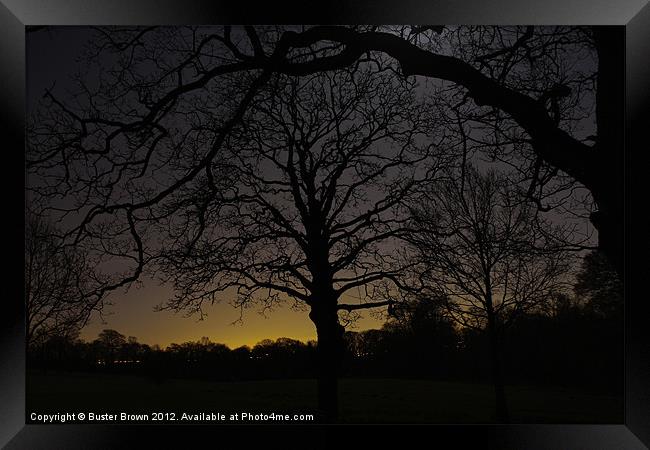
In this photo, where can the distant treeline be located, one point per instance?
(574, 345)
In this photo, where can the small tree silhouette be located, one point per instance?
(59, 284)
(110, 343)
(480, 250)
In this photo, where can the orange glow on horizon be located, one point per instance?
(132, 314)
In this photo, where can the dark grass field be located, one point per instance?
(362, 400)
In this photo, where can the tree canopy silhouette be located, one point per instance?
(60, 284)
(599, 286)
(306, 202)
(480, 251)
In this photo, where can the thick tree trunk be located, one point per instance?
(497, 368)
(329, 352)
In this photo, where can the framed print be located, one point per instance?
(240, 224)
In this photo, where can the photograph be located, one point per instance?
(324, 225)
(352, 224)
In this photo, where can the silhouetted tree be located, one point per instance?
(58, 284)
(307, 205)
(480, 252)
(599, 286)
(110, 343)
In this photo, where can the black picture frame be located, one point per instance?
(15, 15)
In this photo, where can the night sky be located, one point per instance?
(51, 58)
